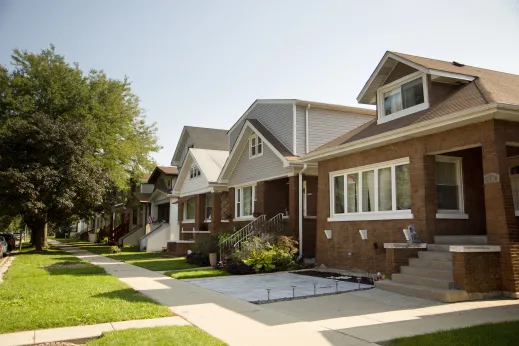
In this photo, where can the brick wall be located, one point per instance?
(477, 272)
(346, 238)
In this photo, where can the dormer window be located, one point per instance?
(402, 97)
(194, 172)
(255, 146)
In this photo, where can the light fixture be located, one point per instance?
(328, 233)
(363, 234)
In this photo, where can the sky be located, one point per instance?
(203, 63)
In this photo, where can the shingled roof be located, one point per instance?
(488, 87)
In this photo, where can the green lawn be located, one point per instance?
(194, 274)
(157, 336)
(150, 260)
(33, 297)
(498, 334)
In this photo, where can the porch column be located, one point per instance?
(174, 229)
(216, 215)
(423, 195)
(293, 205)
(259, 205)
(500, 212)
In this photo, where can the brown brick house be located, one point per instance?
(442, 155)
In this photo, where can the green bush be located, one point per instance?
(105, 240)
(115, 249)
(261, 261)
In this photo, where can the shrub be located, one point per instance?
(115, 249)
(236, 267)
(198, 259)
(261, 261)
(105, 240)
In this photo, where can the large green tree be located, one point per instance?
(67, 139)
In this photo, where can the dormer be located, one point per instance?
(402, 85)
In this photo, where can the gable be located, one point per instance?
(263, 167)
(400, 70)
(186, 186)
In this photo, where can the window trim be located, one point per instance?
(382, 118)
(196, 170)
(393, 214)
(256, 146)
(512, 162)
(239, 190)
(460, 212)
(206, 206)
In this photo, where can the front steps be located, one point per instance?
(430, 276)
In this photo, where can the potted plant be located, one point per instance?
(213, 251)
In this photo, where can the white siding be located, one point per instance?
(301, 130)
(278, 118)
(259, 168)
(193, 186)
(325, 125)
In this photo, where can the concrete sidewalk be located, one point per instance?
(79, 333)
(231, 320)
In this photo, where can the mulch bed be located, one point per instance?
(336, 276)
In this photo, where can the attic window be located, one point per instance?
(194, 172)
(255, 146)
(402, 97)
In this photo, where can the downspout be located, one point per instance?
(301, 212)
(306, 129)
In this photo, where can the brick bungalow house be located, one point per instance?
(442, 154)
(264, 174)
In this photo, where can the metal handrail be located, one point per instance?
(244, 233)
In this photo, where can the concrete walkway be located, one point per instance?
(80, 333)
(231, 320)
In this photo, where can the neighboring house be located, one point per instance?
(137, 209)
(163, 210)
(199, 156)
(264, 173)
(202, 200)
(443, 155)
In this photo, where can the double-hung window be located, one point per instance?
(244, 201)
(449, 187)
(255, 146)
(402, 97)
(375, 192)
(189, 209)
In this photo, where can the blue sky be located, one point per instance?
(202, 63)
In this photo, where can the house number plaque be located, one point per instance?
(491, 178)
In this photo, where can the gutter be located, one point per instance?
(301, 212)
(306, 130)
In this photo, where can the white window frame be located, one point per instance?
(258, 143)
(194, 172)
(382, 118)
(209, 219)
(238, 195)
(185, 219)
(393, 214)
(460, 212)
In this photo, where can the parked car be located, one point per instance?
(10, 239)
(4, 246)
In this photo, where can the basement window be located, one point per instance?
(403, 97)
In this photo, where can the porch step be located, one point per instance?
(445, 275)
(422, 281)
(435, 255)
(460, 239)
(424, 263)
(438, 247)
(446, 296)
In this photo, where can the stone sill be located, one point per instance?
(181, 241)
(405, 245)
(475, 248)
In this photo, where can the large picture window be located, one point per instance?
(208, 206)
(374, 192)
(244, 201)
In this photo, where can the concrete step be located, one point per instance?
(438, 247)
(460, 239)
(422, 281)
(445, 275)
(446, 296)
(435, 255)
(423, 263)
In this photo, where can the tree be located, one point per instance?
(67, 140)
